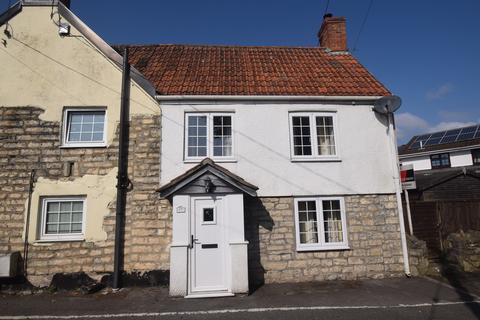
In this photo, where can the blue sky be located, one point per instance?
(424, 51)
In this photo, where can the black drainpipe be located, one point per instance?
(27, 225)
(122, 177)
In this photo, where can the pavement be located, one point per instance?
(397, 298)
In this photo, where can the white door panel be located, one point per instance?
(208, 254)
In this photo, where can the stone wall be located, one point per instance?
(374, 240)
(463, 250)
(27, 142)
(418, 256)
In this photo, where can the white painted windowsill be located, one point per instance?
(46, 241)
(85, 145)
(323, 248)
(216, 160)
(316, 159)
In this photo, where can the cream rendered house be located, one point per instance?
(59, 114)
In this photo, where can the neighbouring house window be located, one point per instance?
(62, 218)
(476, 156)
(313, 135)
(320, 224)
(441, 160)
(209, 135)
(84, 127)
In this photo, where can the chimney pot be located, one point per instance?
(333, 33)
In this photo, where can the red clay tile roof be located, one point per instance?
(232, 70)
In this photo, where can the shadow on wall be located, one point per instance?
(256, 217)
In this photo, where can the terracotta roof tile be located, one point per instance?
(232, 70)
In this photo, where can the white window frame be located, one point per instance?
(82, 144)
(210, 155)
(313, 136)
(61, 236)
(321, 245)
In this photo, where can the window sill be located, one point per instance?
(46, 241)
(85, 145)
(218, 160)
(332, 159)
(323, 248)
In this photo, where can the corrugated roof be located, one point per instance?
(237, 70)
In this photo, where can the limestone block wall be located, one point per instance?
(374, 239)
(27, 142)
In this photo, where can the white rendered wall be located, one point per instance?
(457, 159)
(419, 163)
(461, 158)
(262, 149)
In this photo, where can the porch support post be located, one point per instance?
(237, 244)
(179, 247)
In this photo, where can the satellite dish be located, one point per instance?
(387, 104)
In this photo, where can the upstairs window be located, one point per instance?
(441, 160)
(320, 224)
(63, 218)
(476, 156)
(84, 127)
(209, 135)
(313, 136)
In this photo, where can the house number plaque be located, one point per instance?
(181, 209)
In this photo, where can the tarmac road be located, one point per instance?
(402, 298)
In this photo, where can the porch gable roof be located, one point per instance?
(207, 165)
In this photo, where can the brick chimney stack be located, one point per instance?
(333, 33)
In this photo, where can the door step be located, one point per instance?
(209, 295)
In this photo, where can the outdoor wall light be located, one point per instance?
(208, 185)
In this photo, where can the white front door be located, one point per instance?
(208, 254)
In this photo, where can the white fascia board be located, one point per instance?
(352, 99)
(427, 153)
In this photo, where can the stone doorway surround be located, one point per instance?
(208, 180)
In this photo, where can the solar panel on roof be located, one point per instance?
(438, 135)
(448, 139)
(432, 141)
(465, 136)
(469, 129)
(447, 136)
(452, 132)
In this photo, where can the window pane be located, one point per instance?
(192, 151)
(302, 144)
(202, 152)
(476, 156)
(307, 218)
(52, 217)
(197, 136)
(51, 228)
(325, 135)
(53, 207)
(64, 217)
(64, 228)
(440, 160)
(222, 136)
(332, 221)
(77, 217)
(85, 126)
(76, 227)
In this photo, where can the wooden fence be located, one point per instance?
(433, 221)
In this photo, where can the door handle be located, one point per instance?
(192, 241)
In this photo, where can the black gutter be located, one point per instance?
(122, 177)
(27, 225)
